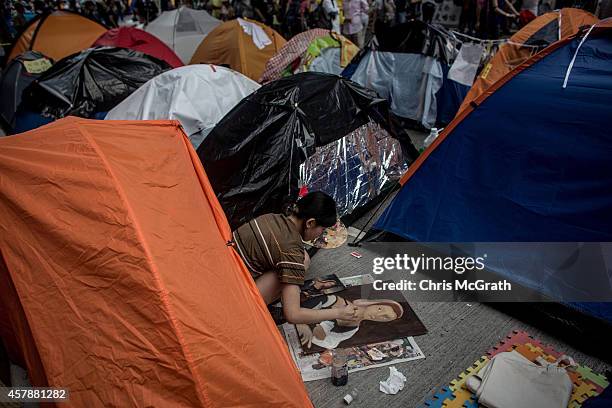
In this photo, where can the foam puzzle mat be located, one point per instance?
(587, 383)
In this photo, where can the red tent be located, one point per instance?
(139, 40)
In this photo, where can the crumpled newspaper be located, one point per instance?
(395, 382)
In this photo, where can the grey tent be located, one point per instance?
(17, 75)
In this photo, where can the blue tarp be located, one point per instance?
(531, 163)
(26, 120)
(449, 98)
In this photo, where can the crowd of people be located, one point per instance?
(489, 19)
(111, 13)
(353, 18)
(289, 17)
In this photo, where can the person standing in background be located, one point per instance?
(305, 10)
(428, 10)
(276, 12)
(384, 15)
(493, 18)
(530, 5)
(39, 7)
(292, 21)
(146, 10)
(355, 20)
(260, 11)
(333, 13)
(400, 11)
(364, 14)
(269, 12)
(227, 11)
(119, 7)
(244, 8)
(414, 9)
(19, 20)
(468, 17)
(215, 8)
(89, 10)
(111, 13)
(385, 11)
(6, 23)
(605, 9)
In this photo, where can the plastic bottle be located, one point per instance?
(433, 134)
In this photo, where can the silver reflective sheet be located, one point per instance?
(354, 169)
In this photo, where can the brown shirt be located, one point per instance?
(272, 242)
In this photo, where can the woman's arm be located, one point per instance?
(294, 313)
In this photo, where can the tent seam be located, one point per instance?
(223, 229)
(573, 60)
(28, 322)
(162, 294)
(36, 30)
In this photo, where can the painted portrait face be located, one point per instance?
(380, 313)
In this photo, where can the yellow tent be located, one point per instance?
(242, 44)
(57, 35)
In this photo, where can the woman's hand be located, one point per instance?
(305, 334)
(319, 333)
(348, 313)
(324, 284)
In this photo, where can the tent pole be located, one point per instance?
(357, 242)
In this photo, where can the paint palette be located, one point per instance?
(332, 237)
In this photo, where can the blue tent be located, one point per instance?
(532, 161)
(18, 74)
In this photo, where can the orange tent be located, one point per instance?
(57, 35)
(229, 44)
(538, 34)
(116, 280)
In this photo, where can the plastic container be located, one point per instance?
(339, 368)
(350, 397)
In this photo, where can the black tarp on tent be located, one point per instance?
(253, 156)
(412, 37)
(91, 81)
(17, 75)
(417, 37)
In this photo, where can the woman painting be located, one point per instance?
(272, 248)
